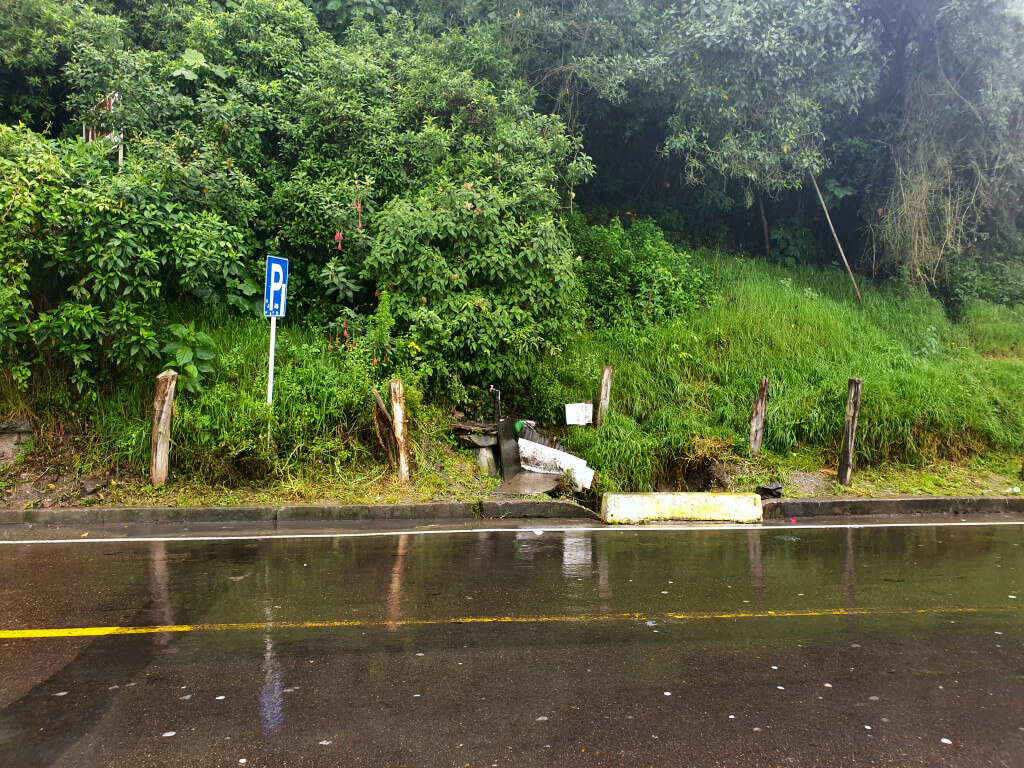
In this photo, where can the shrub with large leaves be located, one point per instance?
(89, 257)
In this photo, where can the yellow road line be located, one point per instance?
(30, 634)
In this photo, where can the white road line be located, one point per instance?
(531, 528)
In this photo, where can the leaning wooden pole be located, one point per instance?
(757, 418)
(838, 244)
(849, 432)
(163, 404)
(384, 427)
(606, 395)
(401, 430)
(764, 228)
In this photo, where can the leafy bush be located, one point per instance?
(633, 277)
(90, 257)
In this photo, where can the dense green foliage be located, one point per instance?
(90, 257)
(384, 163)
(226, 432)
(633, 277)
(913, 109)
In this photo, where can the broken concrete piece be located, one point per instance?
(486, 460)
(476, 440)
(528, 484)
(579, 413)
(540, 458)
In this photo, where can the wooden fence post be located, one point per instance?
(401, 430)
(757, 418)
(606, 394)
(849, 432)
(163, 403)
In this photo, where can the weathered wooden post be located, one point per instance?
(757, 418)
(849, 432)
(401, 429)
(606, 394)
(163, 403)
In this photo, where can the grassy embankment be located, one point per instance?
(942, 405)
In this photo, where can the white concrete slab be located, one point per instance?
(540, 458)
(633, 508)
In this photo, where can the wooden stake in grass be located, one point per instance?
(606, 395)
(849, 432)
(757, 418)
(163, 404)
(838, 244)
(401, 429)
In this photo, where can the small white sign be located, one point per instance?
(579, 413)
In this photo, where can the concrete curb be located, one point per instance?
(428, 511)
(446, 510)
(913, 505)
(489, 509)
(499, 508)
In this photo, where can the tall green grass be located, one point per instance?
(321, 416)
(995, 329)
(685, 388)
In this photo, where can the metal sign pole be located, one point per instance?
(270, 372)
(275, 296)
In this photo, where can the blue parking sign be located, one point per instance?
(275, 290)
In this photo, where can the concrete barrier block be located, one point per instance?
(645, 507)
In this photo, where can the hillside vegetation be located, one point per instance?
(475, 195)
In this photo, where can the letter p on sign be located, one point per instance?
(275, 289)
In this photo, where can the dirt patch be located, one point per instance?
(702, 475)
(26, 490)
(50, 477)
(808, 484)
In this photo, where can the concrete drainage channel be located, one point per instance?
(773, 509)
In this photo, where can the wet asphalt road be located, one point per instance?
(884, 646)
